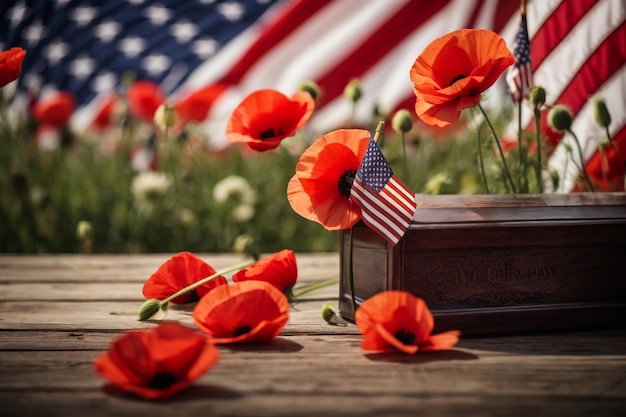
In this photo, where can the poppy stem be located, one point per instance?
(481, 162)
(404, 174)
(312, 287)
(495, 136)
(207, 279)
(582, 161)
(522, 179)
(538, 139)
(351, 273)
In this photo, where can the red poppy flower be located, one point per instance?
(452, 72)
(178, 272)
(55, 110)
(159, 362)
(320, 190)
(608, 166)
(11, 65)
(393, 320)
(144, 98)
(266, 117)
(279, 269)
(246, 311)
(105, 115)
(196, 106)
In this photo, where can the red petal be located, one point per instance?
(255, 305)
(178, 272)
(279, 269)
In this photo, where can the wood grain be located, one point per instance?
(58, 313)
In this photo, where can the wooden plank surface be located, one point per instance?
(58, 313)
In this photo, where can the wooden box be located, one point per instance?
(501, 264)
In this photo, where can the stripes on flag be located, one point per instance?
(520, 75)
(578, 52)
(387, 204)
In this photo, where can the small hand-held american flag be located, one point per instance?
(387, 205)
(520, 76)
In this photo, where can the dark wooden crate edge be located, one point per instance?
(490, 320)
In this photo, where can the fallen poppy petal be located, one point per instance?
(246, 311)
(442, 341)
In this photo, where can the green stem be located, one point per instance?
(538, 139)
(205, 280)
(481, 162)
(404, 173)
(522, 165)
(582, 161)
(608, 134)
(495, 136)
(565, 165)
(312, 287)
(351, 273)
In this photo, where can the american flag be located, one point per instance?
(520, 76)
(577, 49)
(86, 47)
(387, 205)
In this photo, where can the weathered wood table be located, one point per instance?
(58, 313)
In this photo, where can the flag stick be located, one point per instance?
(379, 131)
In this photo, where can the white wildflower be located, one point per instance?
(243, 213)
(234, 188)
(149, 185)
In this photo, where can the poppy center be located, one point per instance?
(193, 297)
(344, 185)
(242, 330)
(405, 336)
(162, 380)
(457, 78)
(269, 133)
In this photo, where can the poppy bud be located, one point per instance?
(402, 121)
(310, 87)
(554, 176)
(245, 244)
(601, 112)
(84, 230)
(165, 116)
(353, 90)
(560, 118)
(537, 96)
(329, 313)
(151, 308)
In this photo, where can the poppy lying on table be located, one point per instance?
(246, 311)
(159, 362)
(280, 269)
(397, 320)
(178, 272)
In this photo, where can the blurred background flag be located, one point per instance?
(577, 50)
(519, 76)
(87, 46)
